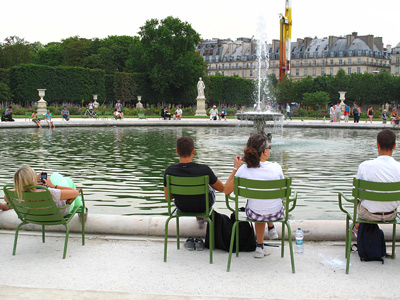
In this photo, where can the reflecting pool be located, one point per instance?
(121, 168)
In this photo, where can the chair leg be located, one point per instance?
(177, 233)
(237, 240)
(348, 246)
(283, 240)
(66, 241)
(347, 235)
(290, 246)
(394, 242)
(16, 237)
(43, 234)
(166, 238)
(83, 227)
(211, 238)
(234, 227)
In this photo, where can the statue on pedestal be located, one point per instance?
(201, 99)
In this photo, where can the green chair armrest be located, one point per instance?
(227, 198)
(293, 200)
(340, 196)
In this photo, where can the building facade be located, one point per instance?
(395, 60)
(314, 57)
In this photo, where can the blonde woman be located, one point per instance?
(35, 119)
(62, 195)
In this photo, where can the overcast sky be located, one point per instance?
(51, 21)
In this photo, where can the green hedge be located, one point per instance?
(62, 84)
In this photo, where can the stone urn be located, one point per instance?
(95, 103)
(41, 104)
(139, 105)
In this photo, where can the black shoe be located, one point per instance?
(189, 244)
(199, 244)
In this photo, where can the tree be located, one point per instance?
(75, 50)
(16, 51)
(166, 53)
(318, 99)
(50, 55)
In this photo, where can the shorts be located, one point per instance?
(346, 113)
(263, 218)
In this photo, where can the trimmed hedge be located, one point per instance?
(62, 84)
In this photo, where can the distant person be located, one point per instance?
(91, 107)
(332, 113)
(187, 168)
(35, 118)
(118, 114)
(393, 115)
(48, 119)
(213, 113)
(165, 114)
(338, 111)
(370, 114)
(288, 111)
(178, 113)
(118, 105)
(65, 113)
(7, 115)
(222, 113)
(346, 113)
(396, 121)
(384, 116)
(356, 112)
(268, 107)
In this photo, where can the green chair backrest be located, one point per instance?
(35, 207)
(187, 186)
(263, 190)
(376, 191)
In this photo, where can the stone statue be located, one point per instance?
(200, 88)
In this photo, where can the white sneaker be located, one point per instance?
(260, 253)
(272, 234)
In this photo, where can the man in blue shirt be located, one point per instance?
(65, 113)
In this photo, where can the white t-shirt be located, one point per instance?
(338, 108)
(56, 194)
(178, 112)
(381, 169)
(213, 112)
(266, 171)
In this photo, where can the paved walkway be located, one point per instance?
(128, 267)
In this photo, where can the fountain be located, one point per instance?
(261, 116)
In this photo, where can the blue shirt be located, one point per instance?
(47, 116)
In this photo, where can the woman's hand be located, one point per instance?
(48, 183)
(237, 162)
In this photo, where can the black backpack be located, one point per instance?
(223, 230)
(370, 242)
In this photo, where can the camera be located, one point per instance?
(43, 175)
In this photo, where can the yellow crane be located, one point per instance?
(286, 32)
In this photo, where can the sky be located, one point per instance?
(51, 21)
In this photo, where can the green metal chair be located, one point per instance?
(373, 191)
(39, 208)
(188, 186)
(263, 190)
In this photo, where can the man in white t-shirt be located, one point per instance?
(338, 111)
(384, 168)
(214, 113)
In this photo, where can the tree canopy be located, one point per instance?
(166, 53)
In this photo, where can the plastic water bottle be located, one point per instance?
(299, 248)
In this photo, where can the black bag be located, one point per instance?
(223, 230)
(371, 242)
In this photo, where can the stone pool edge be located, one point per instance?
(314, 230)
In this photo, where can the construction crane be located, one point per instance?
(286, 31)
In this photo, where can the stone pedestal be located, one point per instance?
(201, 107)
(41, 104)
